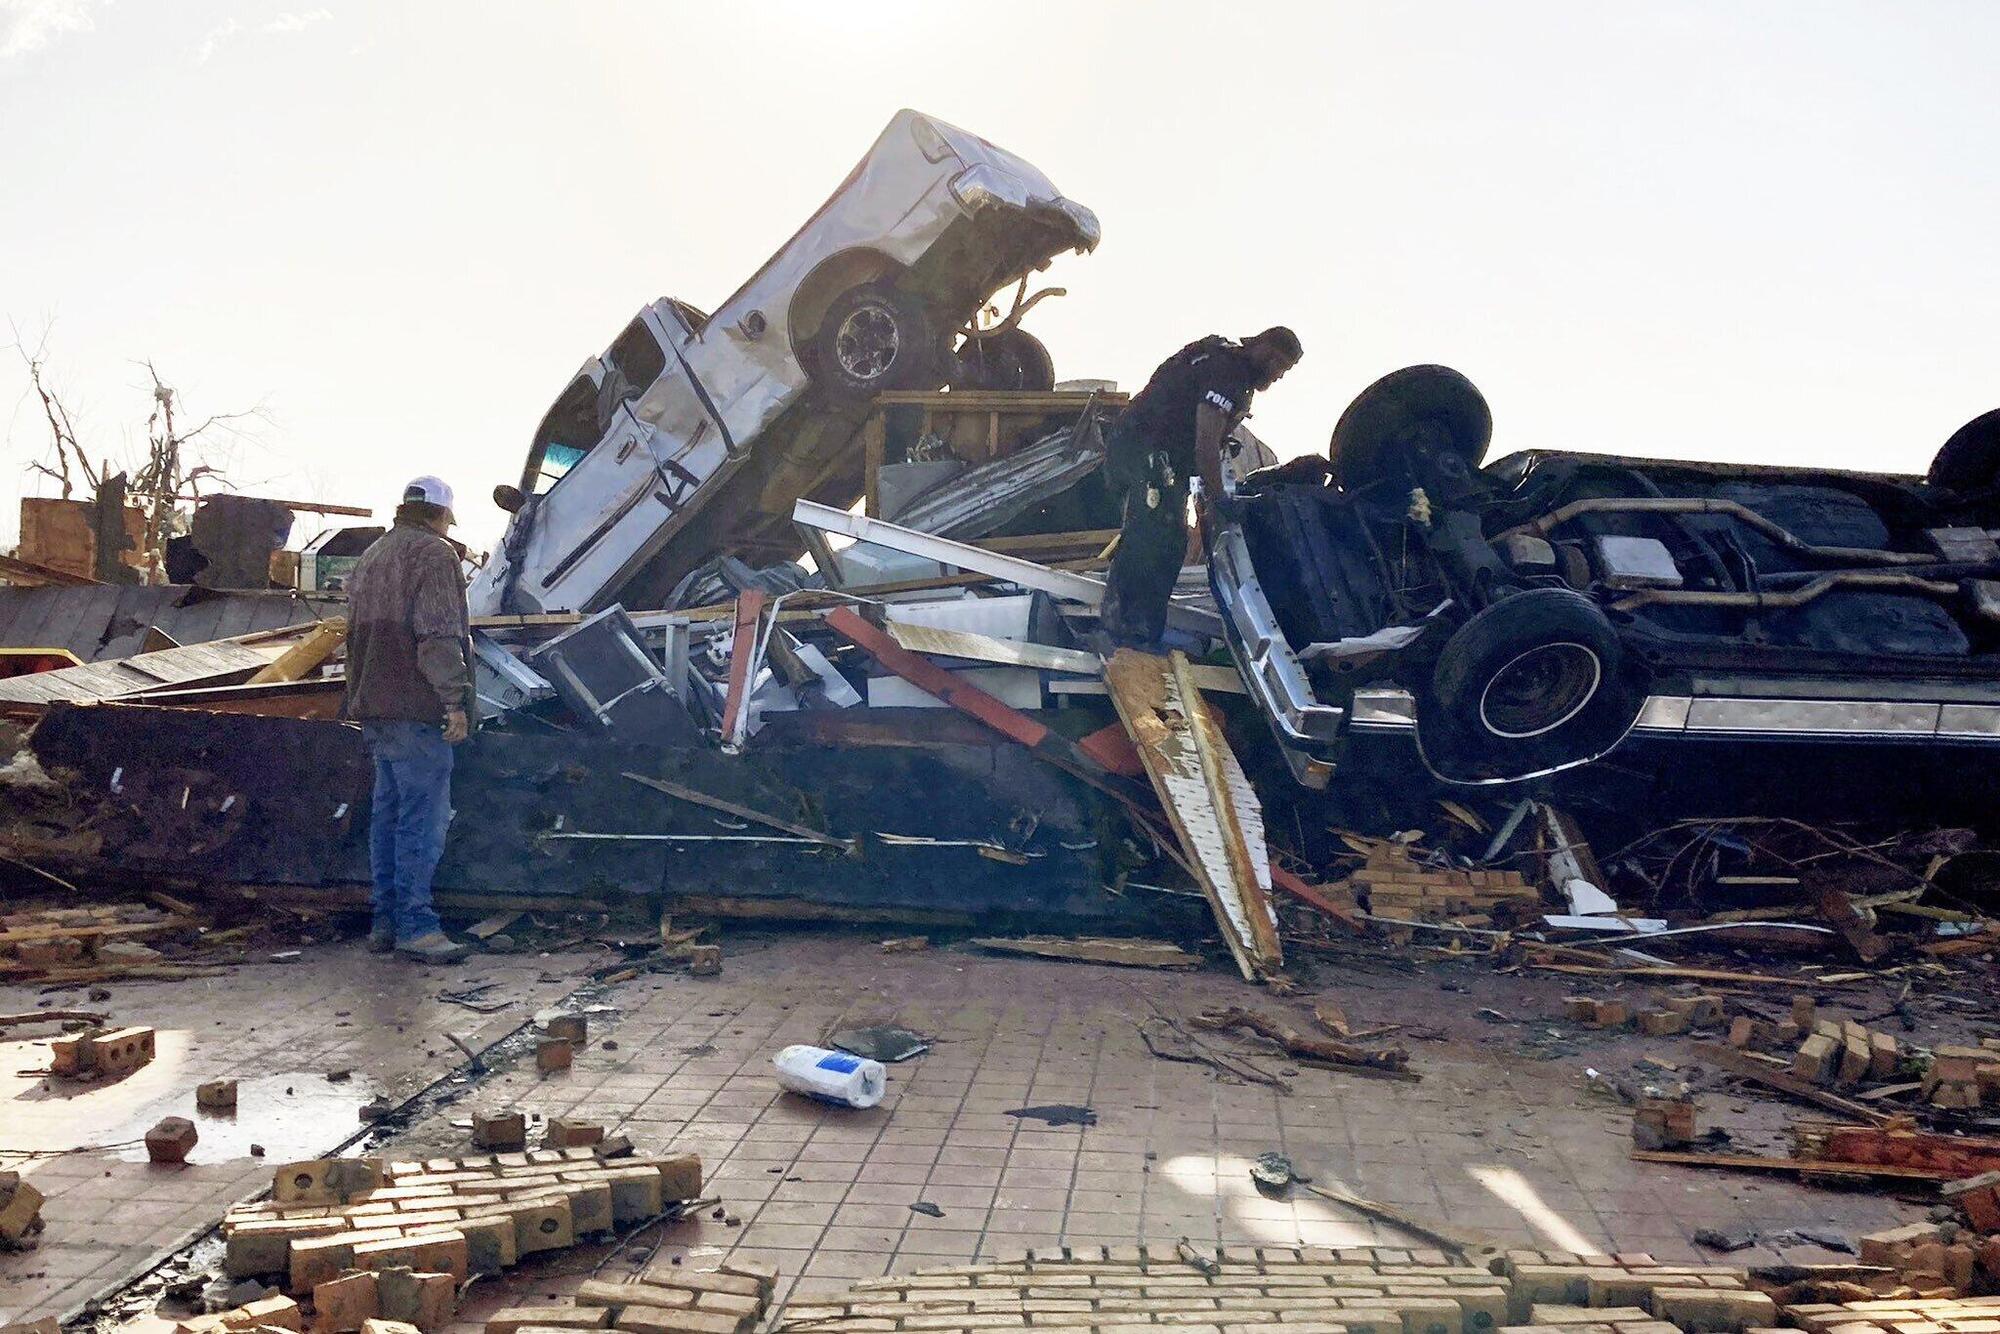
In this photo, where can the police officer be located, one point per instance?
(1174, 428)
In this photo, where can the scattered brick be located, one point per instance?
(217, 1095)
(560, 1134)
(170, 1140)
(504, 1131)
(20, 1210)
(345, 1303)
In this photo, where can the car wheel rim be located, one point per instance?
(867, 342)
(1538, 691)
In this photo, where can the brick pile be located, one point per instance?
(1303, 1290)
(1394, 884)
(54, 943)
(667, 1299)
(1934, 1259)
(1950, 1315)
(459, 1216)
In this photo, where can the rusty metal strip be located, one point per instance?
(1207, 805)
(1016, 726)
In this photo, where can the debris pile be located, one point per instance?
(89, 943)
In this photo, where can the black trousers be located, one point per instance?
(1152, 543)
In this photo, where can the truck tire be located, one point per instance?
(1409, 425)
(1970, 461)
(1014, 361)
(875, 338)
(1534, 682)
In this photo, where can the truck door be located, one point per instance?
(617, 504)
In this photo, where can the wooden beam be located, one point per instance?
(1808, 1167)
(1781, 1080)
(303, 506)
(306, 656)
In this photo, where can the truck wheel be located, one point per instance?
(1970, 460)
(1408, 425)
(874, 338)
(1014, 361)
(1534, 682)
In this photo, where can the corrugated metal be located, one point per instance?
(110, 621)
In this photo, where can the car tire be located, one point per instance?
(874, 338)
(1013, 361)
(1534, 682)
(1970, 460)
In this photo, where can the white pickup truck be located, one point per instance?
(693, 434)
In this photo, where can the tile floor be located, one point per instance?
(279, 1029)
(1499, 1135)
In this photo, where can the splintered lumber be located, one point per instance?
(1744, 1065)
(217, 662)
(305, 657)
(1332, 1018)
(1214, 812)
(1304, 1046)
(1751, 1162)
(1128, 953)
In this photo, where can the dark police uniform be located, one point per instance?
(1149, 458)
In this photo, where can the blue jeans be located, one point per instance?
(407, 824)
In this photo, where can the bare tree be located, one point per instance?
(155, 485)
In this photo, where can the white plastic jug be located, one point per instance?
(833, 1076)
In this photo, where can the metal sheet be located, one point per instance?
(1016, 687)
(1057, 583)
(985, 648)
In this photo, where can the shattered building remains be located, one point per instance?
(1602, 783)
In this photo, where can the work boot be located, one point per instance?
(381, 938)
(434, 947)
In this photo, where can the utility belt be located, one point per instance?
(1132, 468)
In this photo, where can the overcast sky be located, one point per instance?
(1760, 231)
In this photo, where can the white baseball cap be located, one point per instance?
(430, 490)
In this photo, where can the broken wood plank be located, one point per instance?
(49, 1017)
(1332, 1018)
(1125, 952)
(1779, 1079)
(489, 927)
(57, 931)
(305, 657)
(1750, 1162)
(1213, 812)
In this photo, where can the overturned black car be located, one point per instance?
(1533, 614)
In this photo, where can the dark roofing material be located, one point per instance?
(111, 620)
